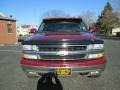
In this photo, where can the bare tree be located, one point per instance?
(55, 14)
(89, 17)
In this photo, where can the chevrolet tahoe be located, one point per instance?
(63, 46)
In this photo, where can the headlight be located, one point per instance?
(95, 46)
(30, 47)
(97, 55)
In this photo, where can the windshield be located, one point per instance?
(63, 27)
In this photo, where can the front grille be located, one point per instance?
(57, 57)
(57, 48)
(69, 48)
(63, 50)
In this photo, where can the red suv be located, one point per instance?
(65, 47)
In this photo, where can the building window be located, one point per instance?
(9, 27)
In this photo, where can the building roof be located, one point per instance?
(7, 18)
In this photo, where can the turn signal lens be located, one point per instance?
(30, 56)
(98, 55)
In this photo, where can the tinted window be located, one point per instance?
(63, 27)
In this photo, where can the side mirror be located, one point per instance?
(33, 30)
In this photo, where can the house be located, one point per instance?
(23, 30)
(115, 30)
(7, 30)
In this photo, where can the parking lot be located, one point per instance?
(13, 78)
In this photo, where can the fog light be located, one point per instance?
(94, 72)
(30, 56)
(32, 73)
(98, 55)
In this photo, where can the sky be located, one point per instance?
(32, 11)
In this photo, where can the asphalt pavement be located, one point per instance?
(13, 78)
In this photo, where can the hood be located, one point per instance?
(62, 36)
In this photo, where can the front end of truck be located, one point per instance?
(65, 54)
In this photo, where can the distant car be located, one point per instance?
(32, 31)
(92, 29)
(65, 47)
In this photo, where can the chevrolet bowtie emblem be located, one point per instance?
(62, 53)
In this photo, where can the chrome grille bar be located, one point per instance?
(69, 52)
(57, 57)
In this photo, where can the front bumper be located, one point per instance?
(37, 69)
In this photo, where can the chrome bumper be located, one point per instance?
(33, 71)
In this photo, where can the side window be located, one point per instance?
(9, 28)
(41, 27)
(83, 28)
